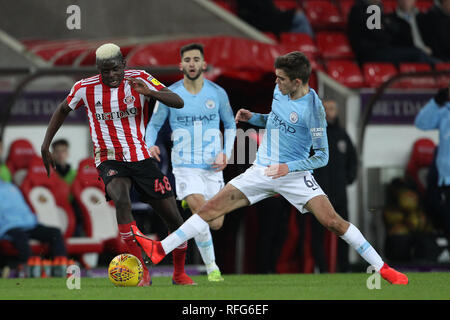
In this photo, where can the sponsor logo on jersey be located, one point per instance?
(210, 104)
(129, 100)
(293, 117)
(190, 120)
(281, 124)
(112, 172)
(116, 114)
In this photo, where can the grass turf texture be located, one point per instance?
(236, 287)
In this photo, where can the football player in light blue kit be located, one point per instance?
(197, 154)
(283, 165)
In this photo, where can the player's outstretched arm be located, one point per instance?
(243, 115)
(256, 119)
(56, 121)
(166, 96)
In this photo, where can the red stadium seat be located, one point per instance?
(285, 4)
(49, 199)
(323, 14)
(299, 42)
(424, 5)
(425, 82)
(375, 73)
(20, 154)
(99, 216)
(442, 81)
(346, 6)
(345, 72)
(389, 6)
(333, 45)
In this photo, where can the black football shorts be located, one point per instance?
(147, 178)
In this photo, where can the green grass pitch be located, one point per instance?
(422, 286)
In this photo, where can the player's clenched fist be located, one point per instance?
(154, 152)
(243, 115)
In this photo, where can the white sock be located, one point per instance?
(356, 240)
(189, 229)
(205, 246)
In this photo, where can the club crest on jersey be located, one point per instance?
(293, 117)
(210, 104)
(129, 100)
(112, 172)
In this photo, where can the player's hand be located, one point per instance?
(220, 163)
(139, 86)
(155, 152)
(243, 115)
(277, 170)
(48, 160)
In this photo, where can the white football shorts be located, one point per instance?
(296, 187)
(197, 181)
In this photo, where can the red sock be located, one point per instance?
(127, 237)
(179, 258)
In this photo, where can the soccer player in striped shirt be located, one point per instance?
(197, 155)
(283, 165)
(116, 104)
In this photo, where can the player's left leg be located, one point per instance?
(322, 209)
(204, 240)
(168, 210)
(228, 199)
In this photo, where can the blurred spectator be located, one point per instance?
(266, 17)
(405, 28)
(436, 115)
(378, 44)
(18, 224)
(5, 174)
(436, 26)
(60, 152)
(340, 171)
(408, 231)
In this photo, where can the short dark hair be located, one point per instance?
(296, 65)
(192, 46)
(60, 142)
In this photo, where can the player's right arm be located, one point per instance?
(160, 114)
(58, 118)
(428, 117)
(256, 119)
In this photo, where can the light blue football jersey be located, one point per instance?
(292, 128)
(196, 127)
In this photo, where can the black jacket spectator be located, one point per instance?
(378, 45)
(265, 16)
(341, 169)
(401, 30)
(435, 24)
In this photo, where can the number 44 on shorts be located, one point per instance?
(162, 186)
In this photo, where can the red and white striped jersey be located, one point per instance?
(117, 116)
